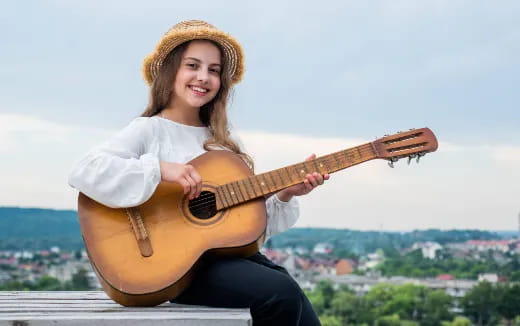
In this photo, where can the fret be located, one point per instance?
(306, 167)
(273, 180)
(299, 171)
(237, 191)
(245, 187)
(325, 164)
(265, 183)
(338, 162)
(261, 185)
(289, 175)
(303, 170)
(223, 196)
(281, 178)
(316, 166)
(359, 152)
(348, 157)
(231, 194)
(251, 183)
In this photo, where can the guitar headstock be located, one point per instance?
(412, 144)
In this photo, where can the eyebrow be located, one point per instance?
(195, 59)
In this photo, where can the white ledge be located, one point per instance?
(19, 308)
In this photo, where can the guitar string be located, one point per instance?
(208, 203)
(321, 159)
(325, 159)
(363, 149)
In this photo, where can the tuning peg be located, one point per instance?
(419, 155)
(410, 158)
(391, 162)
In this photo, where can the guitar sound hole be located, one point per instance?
(203, 207)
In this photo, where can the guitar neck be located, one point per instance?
(255, 186)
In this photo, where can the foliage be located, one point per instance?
(458, 321)
(327, 320)
(509, 302)
(384, 304)
(79, 282)
(414, 264)
(480, 304)
(35, 228)
(363, 242)
(409, 304)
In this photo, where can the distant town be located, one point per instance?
(308, 267)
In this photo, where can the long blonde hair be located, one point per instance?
(213, 114)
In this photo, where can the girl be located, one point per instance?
(190, 74)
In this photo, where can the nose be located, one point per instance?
(202, 75)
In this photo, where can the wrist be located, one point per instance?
(283, 196)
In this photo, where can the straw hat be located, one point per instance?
(196, 30)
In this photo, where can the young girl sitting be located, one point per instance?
(190, 75)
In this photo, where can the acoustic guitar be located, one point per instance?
(146, 255)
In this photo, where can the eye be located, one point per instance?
(215, 70)
(192, 65)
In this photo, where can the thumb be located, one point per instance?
(312, 157)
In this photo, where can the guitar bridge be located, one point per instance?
(141, 235)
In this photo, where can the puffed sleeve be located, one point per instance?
(119, 172)
(281, 215)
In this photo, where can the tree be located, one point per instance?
(80, 280)
(509, 304)
(327, 320)
(47, 283)
(343, 305)
(480, 304)
(458, 321)
(317, 301)
(436, 308)
(327, 291)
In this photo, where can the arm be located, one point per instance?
(119, 173)
(283, 208)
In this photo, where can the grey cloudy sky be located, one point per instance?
(319, 76)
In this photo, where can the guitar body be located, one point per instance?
(148, 272)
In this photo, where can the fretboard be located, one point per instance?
(255, 186)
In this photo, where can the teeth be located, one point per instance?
(198, 89)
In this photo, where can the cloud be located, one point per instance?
(446, 190)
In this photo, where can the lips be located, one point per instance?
(200, 91)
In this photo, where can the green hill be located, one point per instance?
(37, 228)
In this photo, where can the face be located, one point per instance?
(198, 78)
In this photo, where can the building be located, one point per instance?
(428, 249)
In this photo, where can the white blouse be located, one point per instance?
(124, 171)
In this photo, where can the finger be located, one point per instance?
(318, 177)
(198, 181)
(312, 180)
(312, 157)
(185, 185)
(326, 176)
(193, 187)
(308, 186)
(195, 176)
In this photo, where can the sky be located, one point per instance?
(320, 77)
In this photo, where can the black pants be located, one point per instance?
(273, 296)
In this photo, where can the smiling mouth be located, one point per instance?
(199, 90)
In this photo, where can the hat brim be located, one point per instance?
(232, 52)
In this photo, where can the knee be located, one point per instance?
(283, 296)
(290, 294)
